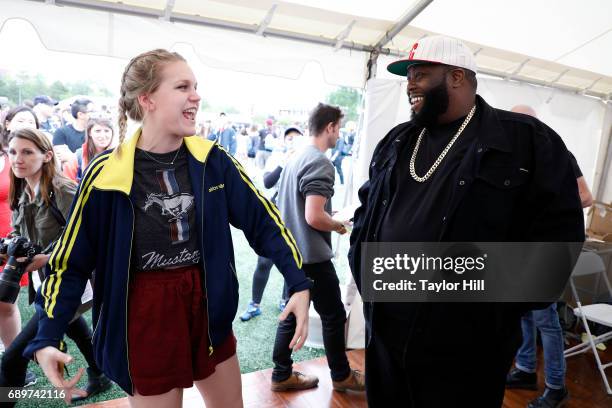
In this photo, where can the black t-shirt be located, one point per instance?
(416, 209)
(263, 133)
(165, 234)
(574, 164)
(69, 136)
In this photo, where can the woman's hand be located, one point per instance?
(52, 362)
(298, 304)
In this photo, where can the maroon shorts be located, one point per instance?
(168, 331)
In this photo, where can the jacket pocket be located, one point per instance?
(504, 178)
(497, 194)
(47, 228)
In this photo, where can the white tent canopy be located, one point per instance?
(546, 42)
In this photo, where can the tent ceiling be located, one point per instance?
(541, 42)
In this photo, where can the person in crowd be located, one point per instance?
(174, 197)
(66, 118)
(272, 173)
(350, 136)
(452, 174)
(226, 135)
(17, 118)
(100, 135)
(40, 200)
(70, 137)
(337, 155)
(43, 107)
(305, 190)
(546, 321)
(10, 317)
(242, 146)
(205, 129)
(253, 144)
(263, 152)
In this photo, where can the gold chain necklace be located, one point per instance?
(442, 155)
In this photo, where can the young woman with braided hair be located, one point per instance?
(152, 218)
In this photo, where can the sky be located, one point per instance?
(249, 93)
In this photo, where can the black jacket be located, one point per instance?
(515, 184)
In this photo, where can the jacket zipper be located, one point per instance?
(127, 292)
(210, 346)
(97, 323)
(233, 269)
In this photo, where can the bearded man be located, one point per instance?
(459, 170)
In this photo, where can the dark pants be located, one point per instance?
(399, 372)
(338, 165)
(260, 279)
(14, 365)
(325, 294)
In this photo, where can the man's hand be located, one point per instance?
(38, 262)
(341, 229)
(298, 304)
(52, 362)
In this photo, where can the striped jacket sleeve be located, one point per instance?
(262, 225)
(69, 268)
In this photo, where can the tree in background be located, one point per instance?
(24, 86)
(348, 99)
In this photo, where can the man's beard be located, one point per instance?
(435, 103)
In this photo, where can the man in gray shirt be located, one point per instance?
(304, 199)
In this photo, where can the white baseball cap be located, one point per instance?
(436, 49)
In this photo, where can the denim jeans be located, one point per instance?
(325, 295)
(547, 322)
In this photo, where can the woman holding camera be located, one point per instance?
(16, 118)
(40, 199)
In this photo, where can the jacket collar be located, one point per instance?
(118, 171)
(490, 132)
(24, 198)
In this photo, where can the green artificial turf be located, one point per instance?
(255, 337)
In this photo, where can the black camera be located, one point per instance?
(16, 247)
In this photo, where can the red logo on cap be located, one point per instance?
(414, 47)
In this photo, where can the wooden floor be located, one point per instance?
(583, 381)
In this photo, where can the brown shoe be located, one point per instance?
(297, 381)
(354, 382)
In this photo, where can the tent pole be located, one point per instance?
(266, 21)
(402, 23)
(602, 171)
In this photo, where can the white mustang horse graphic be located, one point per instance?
(175, 205)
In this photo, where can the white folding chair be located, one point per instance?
(590, 264)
